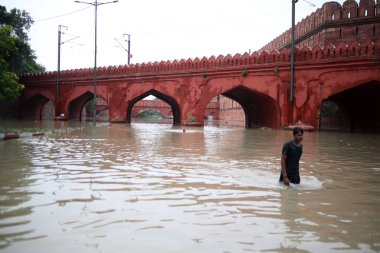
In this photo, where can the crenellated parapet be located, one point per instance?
(326, 52)
(333, 23)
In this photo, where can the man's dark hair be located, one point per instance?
(297, 130)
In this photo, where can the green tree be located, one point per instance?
(16, 55)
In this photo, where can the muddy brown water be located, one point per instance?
(155, 188)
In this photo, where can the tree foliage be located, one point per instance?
(16, 55)
(150, 114)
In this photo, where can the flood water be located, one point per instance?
(154, 188)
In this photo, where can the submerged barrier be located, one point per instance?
(11, 136)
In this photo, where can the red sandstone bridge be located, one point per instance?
(347, 74)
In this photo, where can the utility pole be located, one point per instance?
(292, 68)
(59, 58)
(129, 47)
(95, 4)
(291, 98)
(58, 98)
(128, 50)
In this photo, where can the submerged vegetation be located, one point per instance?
(19, 130)
(150, 114)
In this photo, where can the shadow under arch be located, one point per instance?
(334, 116)
(171, 101)
(76, 105)
(260, 110)
(360, 106)
(48, 111)
(32, 108)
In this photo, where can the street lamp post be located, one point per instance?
(95, 4)
(291, 98)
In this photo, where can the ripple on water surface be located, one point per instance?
(157, 188)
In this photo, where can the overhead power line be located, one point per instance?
(66, 14)
(311, 4)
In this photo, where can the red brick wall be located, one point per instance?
(231, 113)
(350, 22)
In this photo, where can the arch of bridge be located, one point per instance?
(189, 86)
(336, 81)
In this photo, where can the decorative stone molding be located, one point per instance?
(318, 53)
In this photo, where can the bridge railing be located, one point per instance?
(327, 52)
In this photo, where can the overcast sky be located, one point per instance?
(160, 30)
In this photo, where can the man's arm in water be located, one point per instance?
(283, 170)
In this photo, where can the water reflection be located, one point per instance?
(14, 192)
(156, 188)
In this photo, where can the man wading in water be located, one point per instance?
(290, 158)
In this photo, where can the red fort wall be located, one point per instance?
(333, 23)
